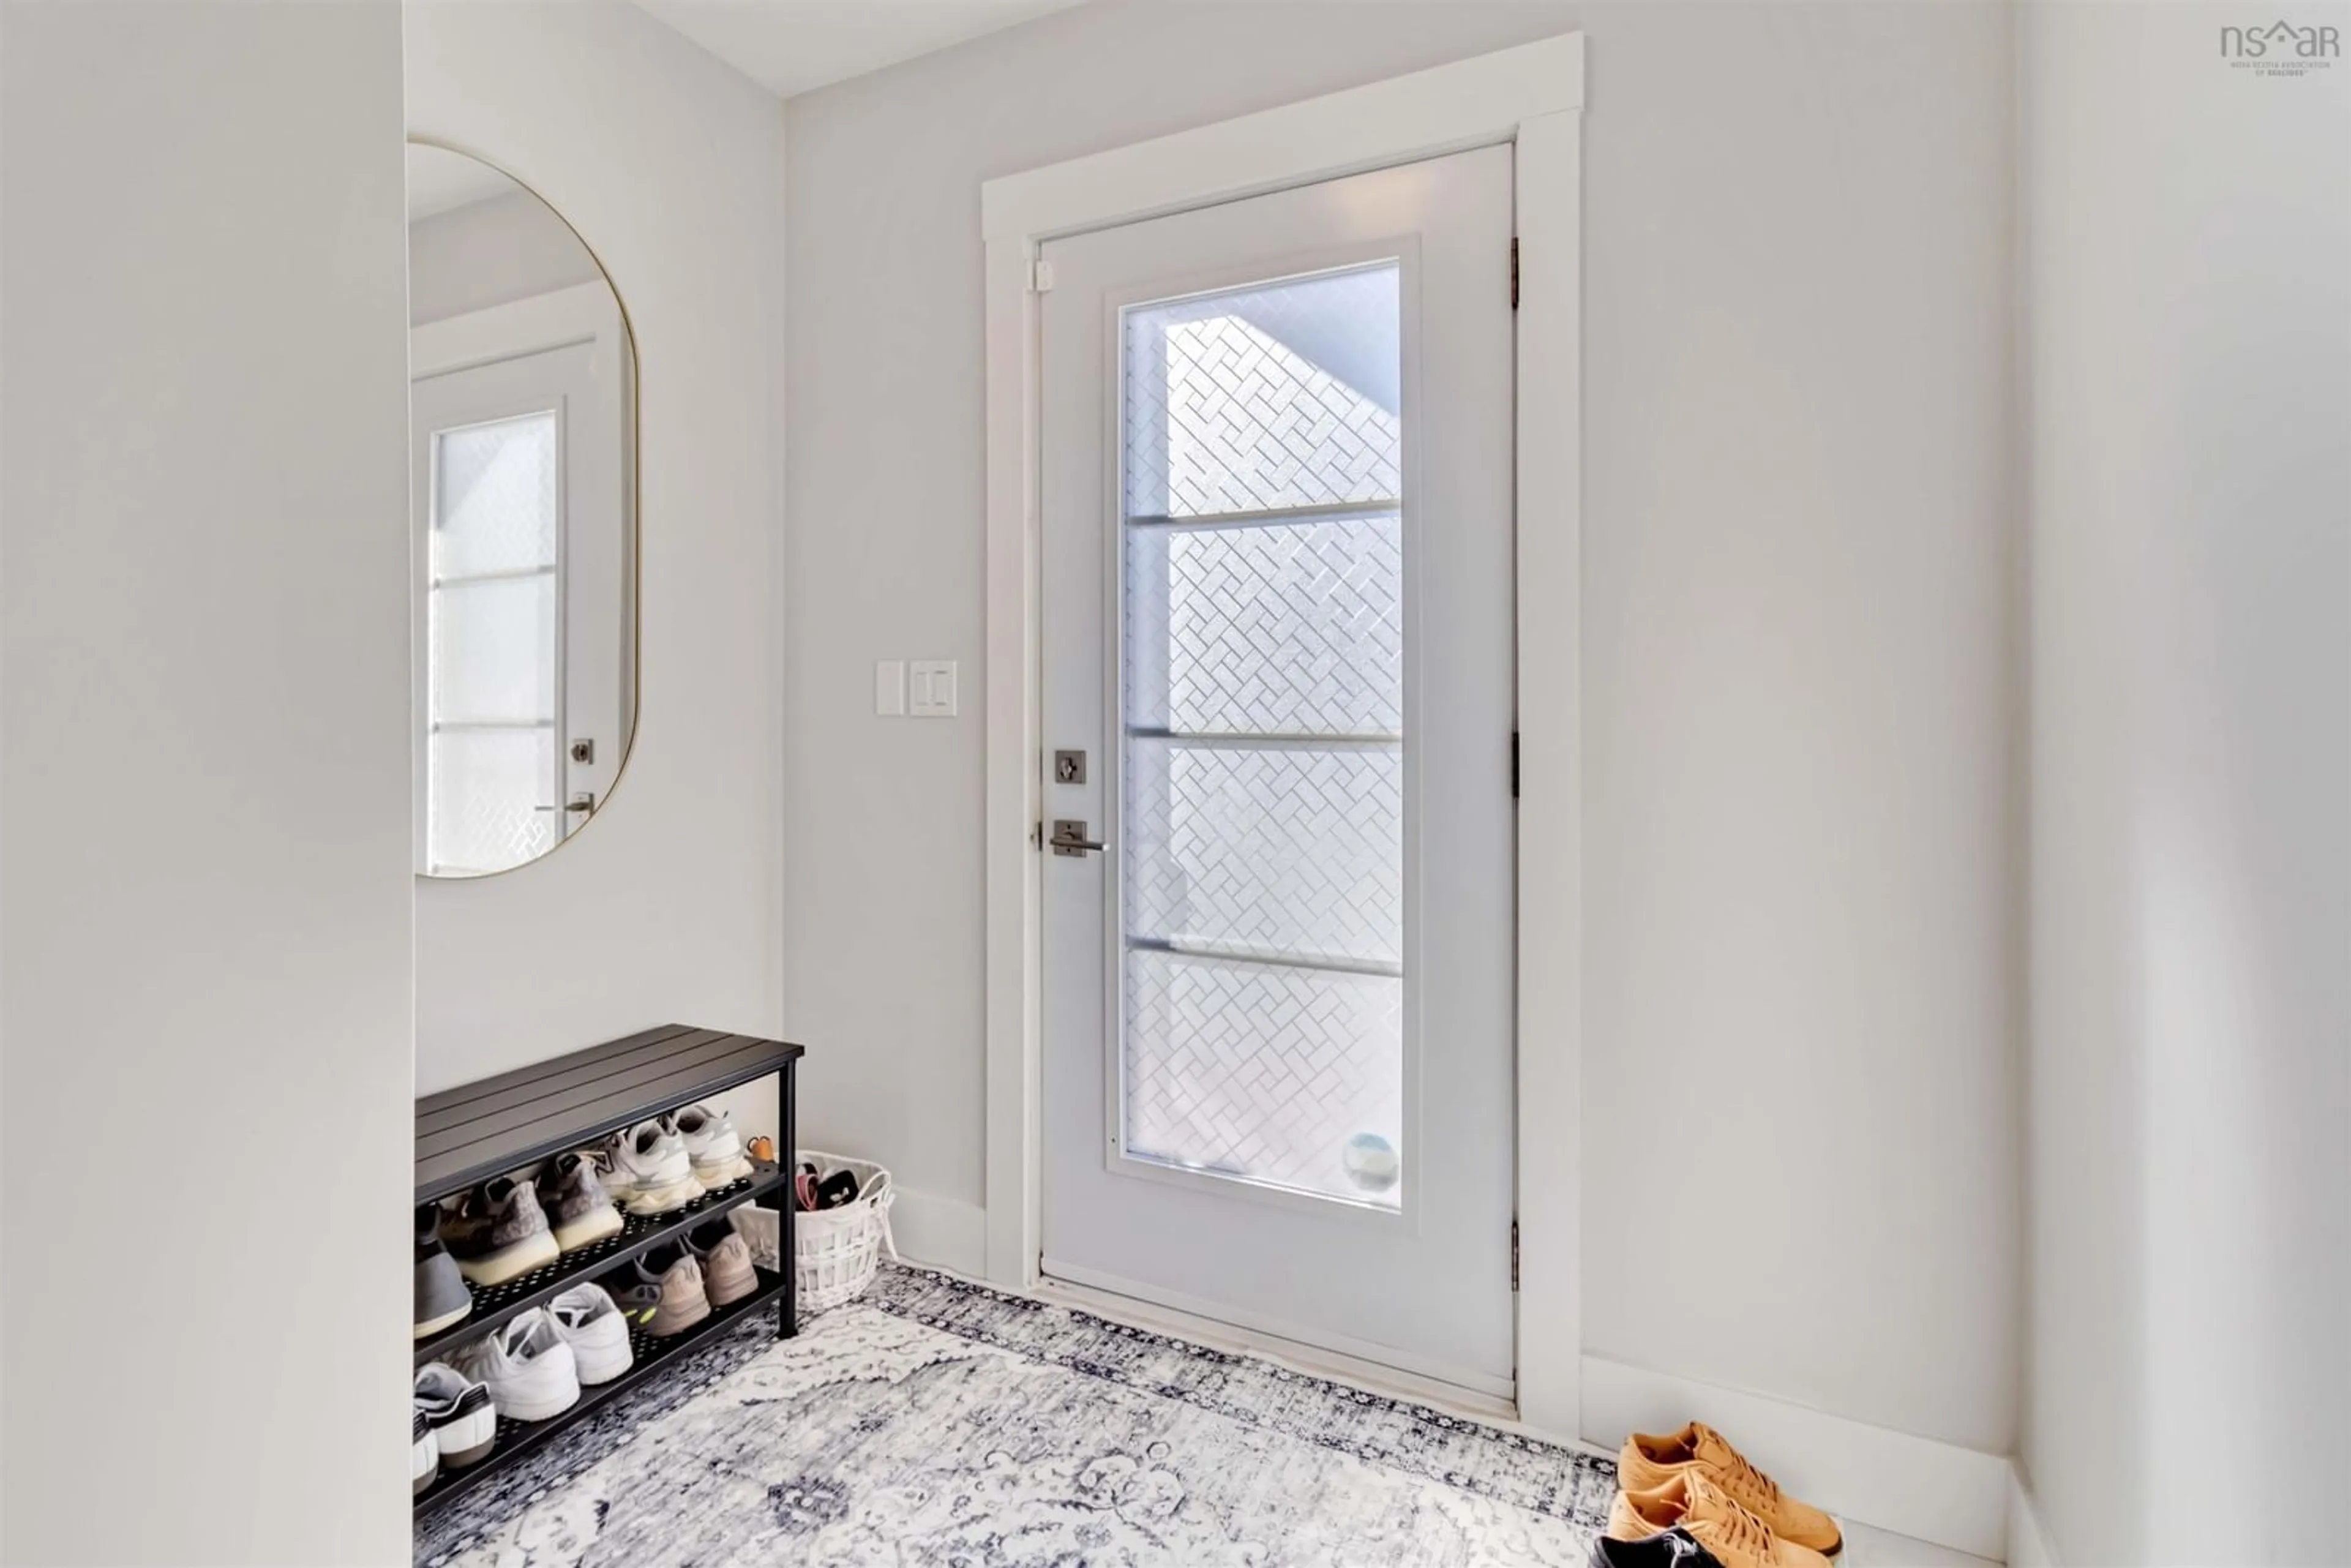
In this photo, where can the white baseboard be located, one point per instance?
(1931, 1491)
(942, 1232)
(2028, 1544)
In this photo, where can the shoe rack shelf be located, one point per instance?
(494, 1304)
(649, 1358)
(467, 1135)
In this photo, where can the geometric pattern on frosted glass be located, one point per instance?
(1262, 1072)
(493, 650)
(1297, 851)
(493, 502)
(1290, 628)
(484, 784)
(1291, 848)
(1274, 396)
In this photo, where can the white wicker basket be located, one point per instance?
(834, 1250)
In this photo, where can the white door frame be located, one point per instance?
(1531, 96)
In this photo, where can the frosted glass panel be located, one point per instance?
(1268, 848)
(493, 650)
(1282, 395)
(1291, 1077)
(484, 784)
(496, 646)
(493, 498)
(1263, 809)
(1296, 628)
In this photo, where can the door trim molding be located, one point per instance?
(1531, 96)
(1475, 103)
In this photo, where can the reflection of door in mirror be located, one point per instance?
(520, 419)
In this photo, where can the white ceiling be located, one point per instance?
(792, 46)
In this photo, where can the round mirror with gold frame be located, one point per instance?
(523, 447)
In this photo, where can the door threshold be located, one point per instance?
(1456, 1392)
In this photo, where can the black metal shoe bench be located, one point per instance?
(467, 1135)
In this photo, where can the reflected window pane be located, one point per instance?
(494, 646)
(487, 786)
(493, 506)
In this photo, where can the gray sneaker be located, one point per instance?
(638, 1301)
(577, 1203)
(684, 1302)
(510, 1236)
(441, 1299)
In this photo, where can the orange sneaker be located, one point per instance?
(1705, 1512)
(1647, 1463)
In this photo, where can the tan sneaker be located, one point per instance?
(1706, 1513)
(683, 1302)
(1648, 1463)
(728, 1275)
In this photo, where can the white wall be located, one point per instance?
(491, 252)
(668, 907)
(1800, 1073)
(205, 918)
(2189, 263)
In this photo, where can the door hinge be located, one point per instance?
(1514, 765)
(1040, 277)
(1514, 272)
(1514, 1256)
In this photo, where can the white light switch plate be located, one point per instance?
(889, 688)
(932, 693)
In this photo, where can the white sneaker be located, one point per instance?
(425, 1454)
(649, 1164)
(594, 1329)
(527, 1367)
(712, 1147)
(464, 1423)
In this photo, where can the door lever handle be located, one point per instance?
(1070, 837)
(581, 802)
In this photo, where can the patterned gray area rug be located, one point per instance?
(934, 1421)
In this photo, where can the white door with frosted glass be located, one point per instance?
(517, 493)
(1279, 623)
